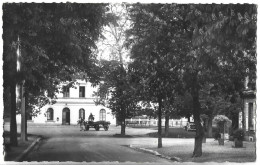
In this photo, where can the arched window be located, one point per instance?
(102, 115)
(82, 113)
(50, 114)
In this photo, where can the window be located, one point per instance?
(102, 115)
(81, 91)
(66, 91)
(82, 113)
(50, 114)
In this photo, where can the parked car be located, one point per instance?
(190, 127)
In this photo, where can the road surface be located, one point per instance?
(67, 143)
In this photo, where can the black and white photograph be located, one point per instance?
(129, 82)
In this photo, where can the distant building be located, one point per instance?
(71, 105)
(247, 117)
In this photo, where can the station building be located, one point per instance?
(71, 105)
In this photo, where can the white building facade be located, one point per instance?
(71, 105)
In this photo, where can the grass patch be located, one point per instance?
(175, 133)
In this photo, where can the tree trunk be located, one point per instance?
(26, 134)
(13, 124)
(123, 121)
(26, 117)
(205, 129)
(209, 131)
(235, 121)
(7, 101)
(199, 129)
(123, 109)
(160, 123)
(167, 123)
(23, 116)
(123, 127)
(196, 113)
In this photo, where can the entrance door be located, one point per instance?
(66, 116)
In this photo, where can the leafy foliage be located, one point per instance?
(201, 44)
(156, 54)
(55, 41)
(116, 91)
(157, 45)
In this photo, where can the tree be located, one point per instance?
(154, 48)
(172, 106)
(112, 43)
(116, 73)
(224, 41)
(147, 109)
(117, 92)
(212, 44)
(216, 101)
(56, 40)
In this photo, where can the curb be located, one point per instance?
(25, 152)
(176, 159)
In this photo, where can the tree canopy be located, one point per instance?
(202, 44)
(55, 41)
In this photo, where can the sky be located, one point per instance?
(108, 48)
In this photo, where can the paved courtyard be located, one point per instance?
(68, 143)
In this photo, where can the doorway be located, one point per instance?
(66, 116)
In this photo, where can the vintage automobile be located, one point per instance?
(97, 125)
(190, 127)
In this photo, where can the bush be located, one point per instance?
(239, 134)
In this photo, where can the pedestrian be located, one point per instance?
(81, 123)
(91, 117)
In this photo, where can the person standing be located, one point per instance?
(81, 123)
(91, 117)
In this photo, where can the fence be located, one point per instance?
(154, 122)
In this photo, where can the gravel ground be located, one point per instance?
(212, 151)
